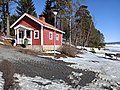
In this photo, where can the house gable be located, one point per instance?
(38, 21)
(27, 22)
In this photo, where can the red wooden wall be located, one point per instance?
(47, 41)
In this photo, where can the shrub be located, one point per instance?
(92, 50)
(69, 51)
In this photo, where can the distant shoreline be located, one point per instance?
(112, 43)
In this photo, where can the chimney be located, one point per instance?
(42, 18)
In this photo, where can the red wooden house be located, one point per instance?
(40, 34)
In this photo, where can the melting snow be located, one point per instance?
(108, 74)
(109, 70)
(1, 43)
(38, 83)
(1, 81)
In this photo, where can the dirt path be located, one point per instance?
(46, 68)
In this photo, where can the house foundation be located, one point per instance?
(43, 48)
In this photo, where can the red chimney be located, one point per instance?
(42, 18)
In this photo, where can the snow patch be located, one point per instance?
(5, 37)
(56, 52)
(108, 70)
(38, 83)
(46, 56)
(2, 43)
(1, 81)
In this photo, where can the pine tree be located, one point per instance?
(47, 13)
(26, 6)
(83, 21)
(85, 33)
(3, 15)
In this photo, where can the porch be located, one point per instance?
(22, 33)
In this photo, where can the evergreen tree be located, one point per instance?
(3, 15)
(84, 23)
(47, 13)
(75, 18)
(85, 33)
(13, 18)
(64, 15)
(25, 6)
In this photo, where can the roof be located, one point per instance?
(37, 20)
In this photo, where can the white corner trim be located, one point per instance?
(42, 35)
(57, 37)
(61, 39)
(22, 27)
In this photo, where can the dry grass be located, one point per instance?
(69, 51)
(28, 51)
(6, 42)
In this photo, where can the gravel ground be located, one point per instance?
(31, 65)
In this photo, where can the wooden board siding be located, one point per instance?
(47, 41)
(58, 42)
(29, 23)
(36, 41)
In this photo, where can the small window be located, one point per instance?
(57, 37)
(36, 34)
(50, 35)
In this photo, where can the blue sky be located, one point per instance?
(106, 15)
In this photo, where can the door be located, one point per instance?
(29, 36)
(21, 34)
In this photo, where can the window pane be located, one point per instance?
(36, 34)
(57, 37)
(50, 35)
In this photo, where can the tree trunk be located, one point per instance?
(88, 35)
(70, 31)
(7, 17)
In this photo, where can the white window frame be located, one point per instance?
(57, 36)
(34, 34)
(50, 38)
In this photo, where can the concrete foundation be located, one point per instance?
(43, 48)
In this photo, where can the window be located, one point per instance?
(57, 37)
(50, 35)
(36, 34)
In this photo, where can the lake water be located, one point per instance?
(113, 47)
